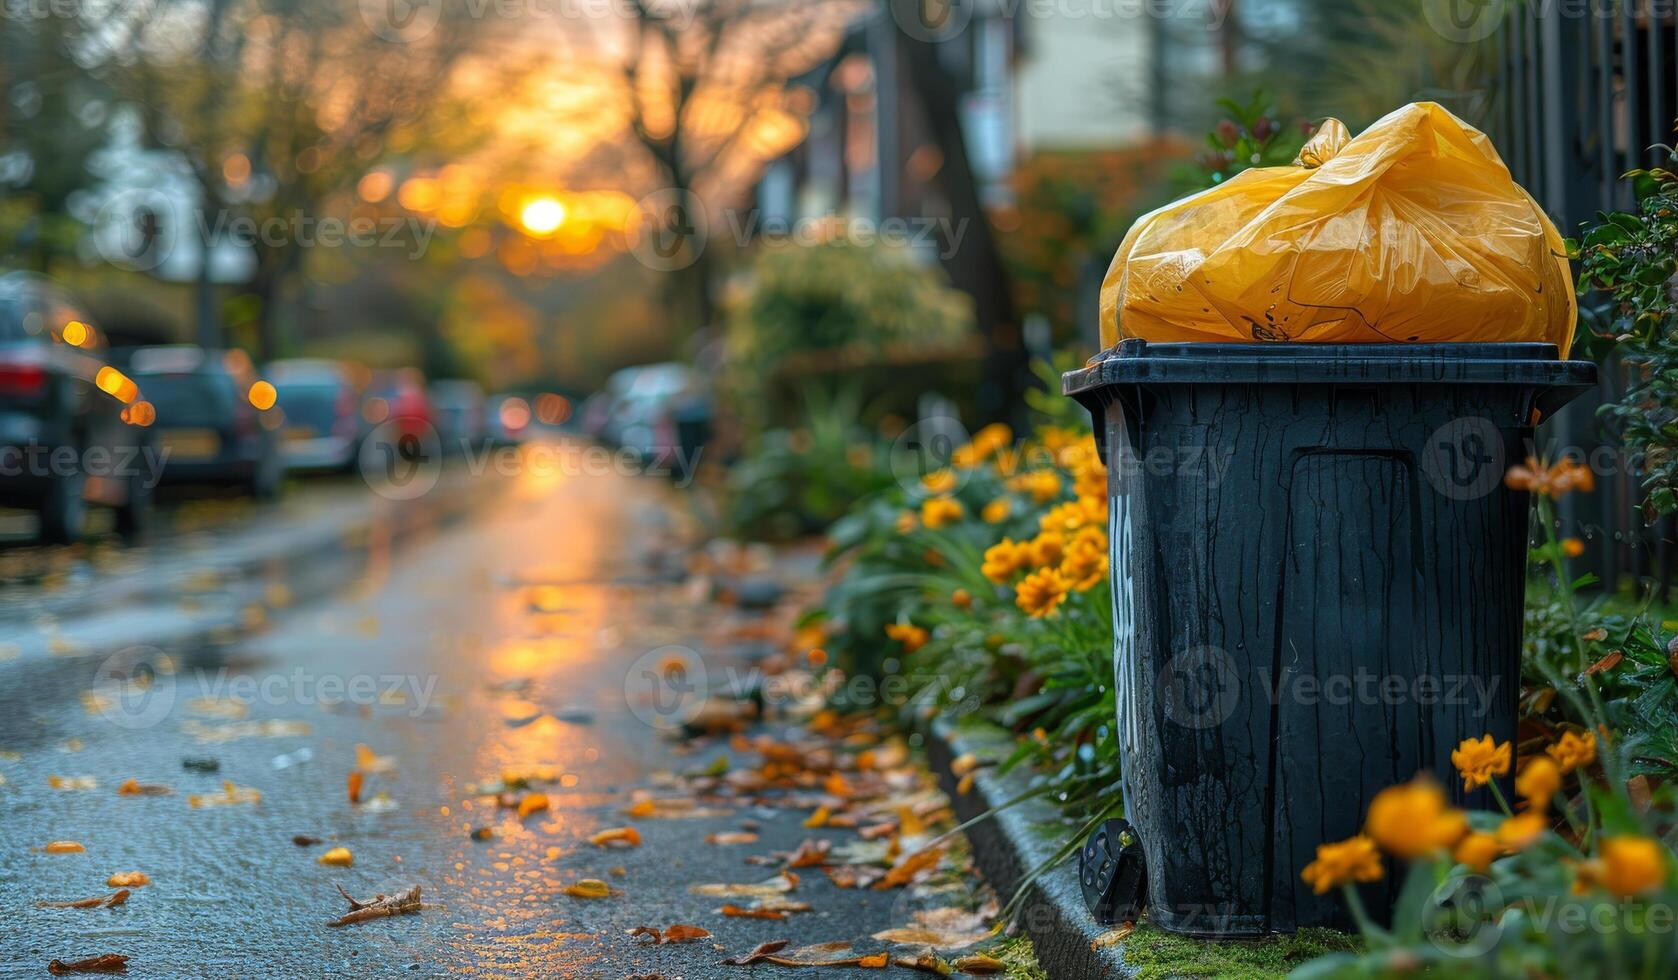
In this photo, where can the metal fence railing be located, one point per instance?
(1582, 91)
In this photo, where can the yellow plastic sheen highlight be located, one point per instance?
(1413, 231)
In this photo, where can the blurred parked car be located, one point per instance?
(58, 392)
(459, 409)
(399, 396)
(213, 419)
(322, 405)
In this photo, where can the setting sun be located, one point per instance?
(542, 216)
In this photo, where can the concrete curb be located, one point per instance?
(1009, 845)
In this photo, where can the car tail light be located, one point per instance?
(22, 376)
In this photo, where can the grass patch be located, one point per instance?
(1021, 957)
(1159, 955)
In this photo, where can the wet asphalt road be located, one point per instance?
(486, 627)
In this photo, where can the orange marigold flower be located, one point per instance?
(1632, 865)
(1573, 750)
(1048, 549)
(940, 481)
(1343, 862)
(997, 510)
(1476, 850)
(907, 522)
(1572, 547)
(940, 511)
(911, 636)
(1481, 759)
(1041, 592)
(1413, 820)
(1554, 481)
(1005, 558)
(961, 599)
(1085, 565)
(1520, 831)
(993, 437)
(1065, 518)
(1539, 781)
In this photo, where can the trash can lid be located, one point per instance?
(1139, 362)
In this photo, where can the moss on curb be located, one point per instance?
(1021, 958)
(1159, 955)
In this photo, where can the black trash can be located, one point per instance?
(1318, 577)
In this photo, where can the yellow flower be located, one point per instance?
(939, 481)
(1413, 820)
(1039, 593)
(1632, 865)
(1085, 564)
(961, 599)
(939, 511)
(1353, 859)
(1538, 782)
(967, 457)
(1066, 518)
(1555, 481)
(1091, 534)
(911, 636)
(997, 510)
(907, 522)
(1519, 832)
(1481, 759)
(1573, 750)
(1048, 549)
(1043, 485)
(993, 437)
(1572, 547)
(1477, 850)
(1005, 558)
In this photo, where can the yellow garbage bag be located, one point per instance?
(1412, 232)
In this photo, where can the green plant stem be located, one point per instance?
(1497, 793)
(1366, 925)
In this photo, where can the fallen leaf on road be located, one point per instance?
(108, 963)
(128, 879)
(980, 965)
(229, 795)
(588, 888)
(354, 786)
(134, 787)
(727, 838)
(762, 952)
(72, 782)
(736, 912)
(304, 840)
(674, 809)
(780, 884)
(617, 836)
(810, 854)
(201, 765)
(819, 818)
(367, 761)
(926, 963)
(1113, 936)
(672, 934)
(105, 901)
(64, 847)
(380, 906)
(483, 833)
(909, 867)
(936, 939)
(531, 803)
(338, 856)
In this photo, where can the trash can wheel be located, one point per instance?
(1110, 872)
